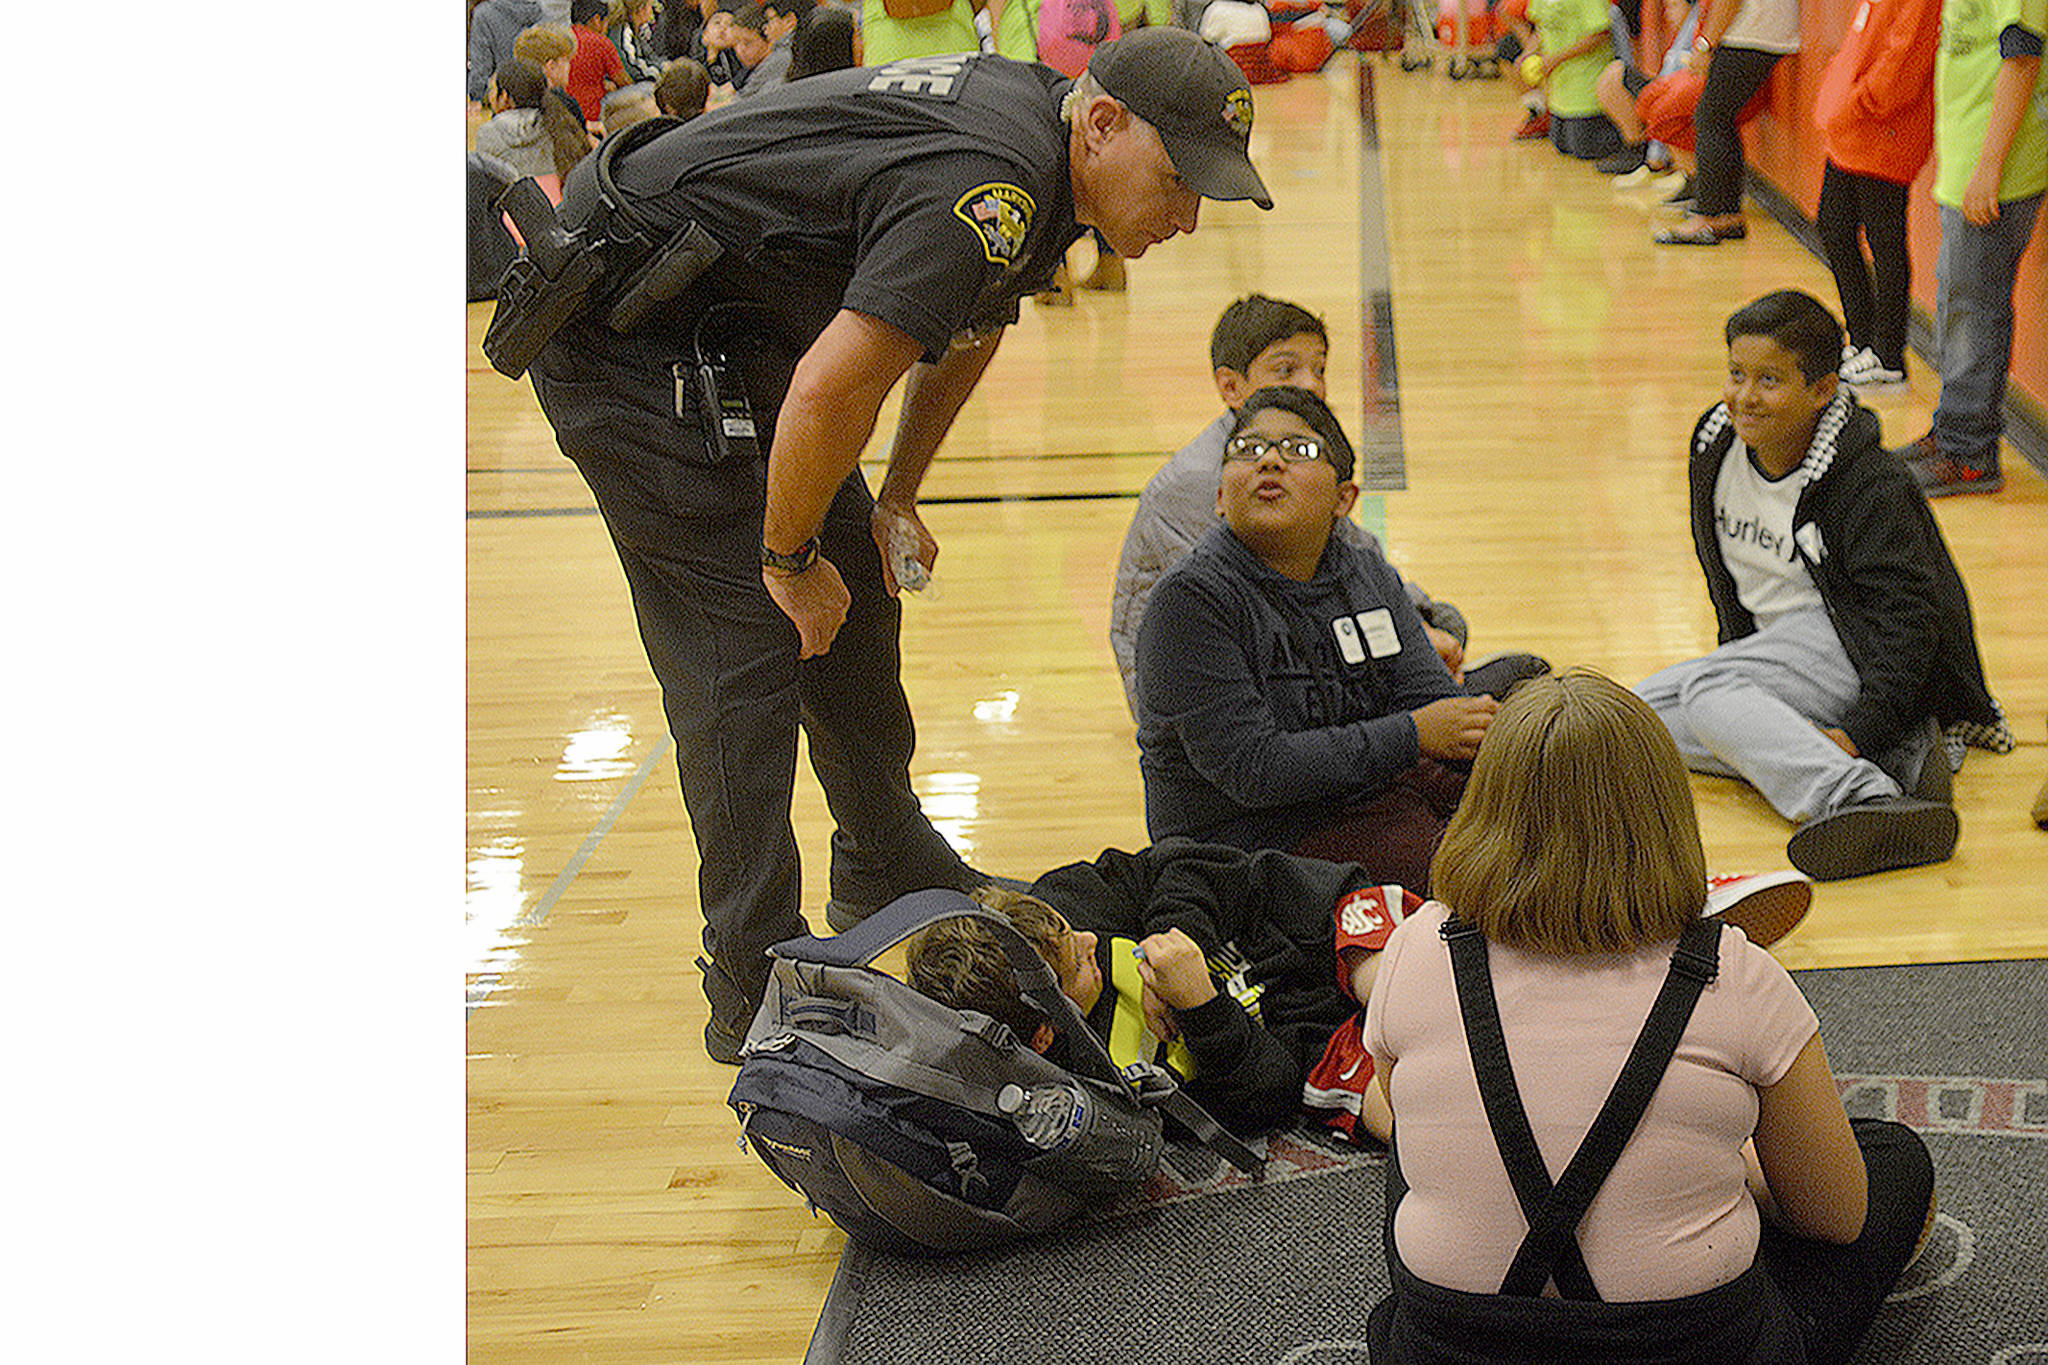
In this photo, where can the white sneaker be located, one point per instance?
(1865, 373)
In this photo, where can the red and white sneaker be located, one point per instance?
(1765, 906)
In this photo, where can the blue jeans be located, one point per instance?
(1974, 276)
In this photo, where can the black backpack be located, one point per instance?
(919, 1128)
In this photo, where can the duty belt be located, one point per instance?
(561, 268)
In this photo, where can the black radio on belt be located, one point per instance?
(716, 389)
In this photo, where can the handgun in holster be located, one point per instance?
(562, 269)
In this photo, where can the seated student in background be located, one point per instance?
(493, 24)
(715, 42)
(824, 41)
(627, 106)
(1239, 972)
(1517, 39)
(1621, 84)
(1574, 43)
(553, 50)
(761, 34)
(594, 68)
(1257, 341)
(630, 26)
(528, 131)
(683, 88)
(1846, 641)
(1288, 693)
(678, 29)
(1575, 861)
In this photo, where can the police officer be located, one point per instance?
(875, 223)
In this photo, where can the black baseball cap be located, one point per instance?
(1197, 99)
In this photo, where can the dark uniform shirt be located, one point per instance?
(931, 194)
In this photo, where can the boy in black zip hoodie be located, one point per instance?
(1846, 642)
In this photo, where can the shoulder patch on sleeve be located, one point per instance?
(1000, 215)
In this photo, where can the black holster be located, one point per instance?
(564, 270)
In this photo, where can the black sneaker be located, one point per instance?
(1500, 675)
(1623, 161)
(1876, 836)
(1937, 781)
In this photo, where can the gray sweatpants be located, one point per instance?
(1754, 707)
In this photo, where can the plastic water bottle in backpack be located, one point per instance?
(1049, 1117)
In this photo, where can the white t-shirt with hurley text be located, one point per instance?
(1753, 523)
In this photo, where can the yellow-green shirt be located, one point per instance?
(1964, 75)
(885, 40)
(1561, 23)
(1017, 30)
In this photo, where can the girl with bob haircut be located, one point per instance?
(1723, 1206)
(1572, 837)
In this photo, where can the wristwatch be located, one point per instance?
(796, 561)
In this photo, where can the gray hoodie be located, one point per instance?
(492, 27)
(517, 138)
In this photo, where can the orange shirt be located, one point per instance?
(1875, 107)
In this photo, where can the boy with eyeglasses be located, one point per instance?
(1288, 694)
(1257, 341)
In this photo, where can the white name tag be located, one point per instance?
(1380, 636)
(1347, 640)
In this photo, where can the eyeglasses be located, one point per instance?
(1293, 449)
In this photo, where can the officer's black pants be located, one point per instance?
(688, 536)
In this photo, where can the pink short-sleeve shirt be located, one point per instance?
(1675, 1216)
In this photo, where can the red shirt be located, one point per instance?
(595, 59)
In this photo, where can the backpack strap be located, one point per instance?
(904, 916)
(1550, 1249)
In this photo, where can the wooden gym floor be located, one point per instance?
(1551, 364)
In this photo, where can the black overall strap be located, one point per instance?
(1503, 1101)
(1550, 1250)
